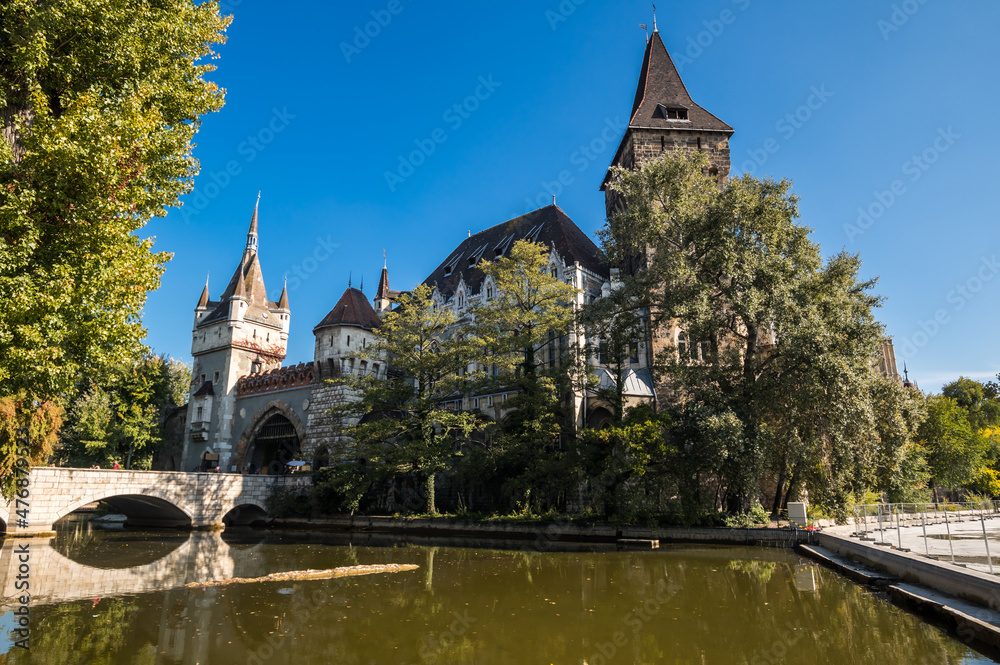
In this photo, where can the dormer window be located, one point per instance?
(670, 112)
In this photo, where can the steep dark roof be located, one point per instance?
(206, 389)
(661, 84)
(549, 226)
(384, 292)
(353, 309)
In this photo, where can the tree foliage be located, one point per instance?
(122, 418)
(780, 341)
(404, 426)
(100, 102)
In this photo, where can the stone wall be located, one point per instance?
(323, 429)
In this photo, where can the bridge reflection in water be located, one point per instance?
(72, 566)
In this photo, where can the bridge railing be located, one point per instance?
(886, 524)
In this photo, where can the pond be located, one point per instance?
(118, 597)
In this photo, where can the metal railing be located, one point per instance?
(873, 522)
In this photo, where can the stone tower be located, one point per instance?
(665, 119)
(241, 333)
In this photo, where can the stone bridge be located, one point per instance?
(147, 498)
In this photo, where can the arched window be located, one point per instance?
(683, 346)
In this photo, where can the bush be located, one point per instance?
(284, 503)
(339, 489)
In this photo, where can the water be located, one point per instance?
(114, 598)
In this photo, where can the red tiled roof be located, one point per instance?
(353, 309)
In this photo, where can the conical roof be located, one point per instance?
(661, 88)
(353, 309)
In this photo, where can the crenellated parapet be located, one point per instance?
(284, 378)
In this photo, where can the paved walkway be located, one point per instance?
(966, 538)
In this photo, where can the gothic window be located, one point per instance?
(215, 378)
(364, 368)
(350, 365)
(683, 346)
(201, 415)
(602, 352)
(554, 272)
(375, 369)
(489, 292)
(634, 355)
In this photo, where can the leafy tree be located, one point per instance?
(123, 418)
(953, 448)
(99, 103)
(980, 401)
(615, 324)
(781, 341)
(404, 425)
(41, 422)
(523, 331)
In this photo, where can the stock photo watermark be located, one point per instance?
(248, 149)
(914, 169)
(371, 30)
(900, 16)
(787, 127)
(696, 45)
(435, 645)
(959, 297)
(581, 158)
(454, 116)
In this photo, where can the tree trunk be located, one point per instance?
(429, 491)
(15, 121)
(782, 477)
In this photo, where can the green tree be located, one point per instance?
(524, 332)
(615, 325)
(405, 427)
(779, 340)
(954, 449)
(99, 103)
(122, 418)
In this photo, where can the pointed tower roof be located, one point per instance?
(353, 309)
(660, 89)
(203, 301)
(247, 282)
(252, 233)
(283, 300)
(240, 291)
(384, 292)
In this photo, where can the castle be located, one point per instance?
(247, 410)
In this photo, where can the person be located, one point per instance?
(116, 465)
(253, 468)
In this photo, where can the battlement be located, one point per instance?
(284, 378)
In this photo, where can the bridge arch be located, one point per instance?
(272, 416)
(149, 507)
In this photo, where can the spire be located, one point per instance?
(349, 275)
(241, 283)
(252, 233)
(654, 18)
(661, 98)
(383, 284)
(283, 300)
(203, 301)
(362, 287)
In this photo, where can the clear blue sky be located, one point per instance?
(316, 129)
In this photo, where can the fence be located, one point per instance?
(962, 522)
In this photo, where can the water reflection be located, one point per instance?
(465, 605)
